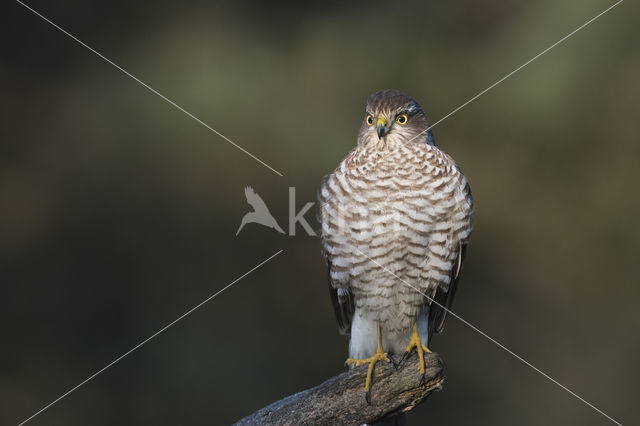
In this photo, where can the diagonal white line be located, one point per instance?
(149, 87)
(500, 345)
(148, 339)
(517, 69)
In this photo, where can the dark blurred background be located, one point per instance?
(118, 212)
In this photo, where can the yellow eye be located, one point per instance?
(369, 120)
(401, 119)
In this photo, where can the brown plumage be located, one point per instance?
(396, 202)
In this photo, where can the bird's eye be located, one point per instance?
(401, 119)
(369, 120)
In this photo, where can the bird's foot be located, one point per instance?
(380, 355)
(416, 342)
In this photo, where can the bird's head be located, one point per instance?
(393, 117)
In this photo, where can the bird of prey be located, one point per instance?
(260, 213)
(396, 219)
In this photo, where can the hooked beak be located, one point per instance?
(381, 127)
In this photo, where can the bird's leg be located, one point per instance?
(380, 355)
(416, 342)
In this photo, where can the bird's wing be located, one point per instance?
(343, 305)
(444, 294)
(254, 199)
(341, 298)
(443, 299)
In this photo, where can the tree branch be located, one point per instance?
(341, 399)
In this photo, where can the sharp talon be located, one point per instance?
(350, 361)
(380, 355)
(395, 364)
(421, 348)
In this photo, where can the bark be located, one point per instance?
(341, 399)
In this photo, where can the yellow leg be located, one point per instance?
(380, 355)
(416, 342)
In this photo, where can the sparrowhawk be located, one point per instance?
(395, 214)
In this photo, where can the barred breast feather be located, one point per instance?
(395, 221)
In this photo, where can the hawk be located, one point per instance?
(396, 220)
